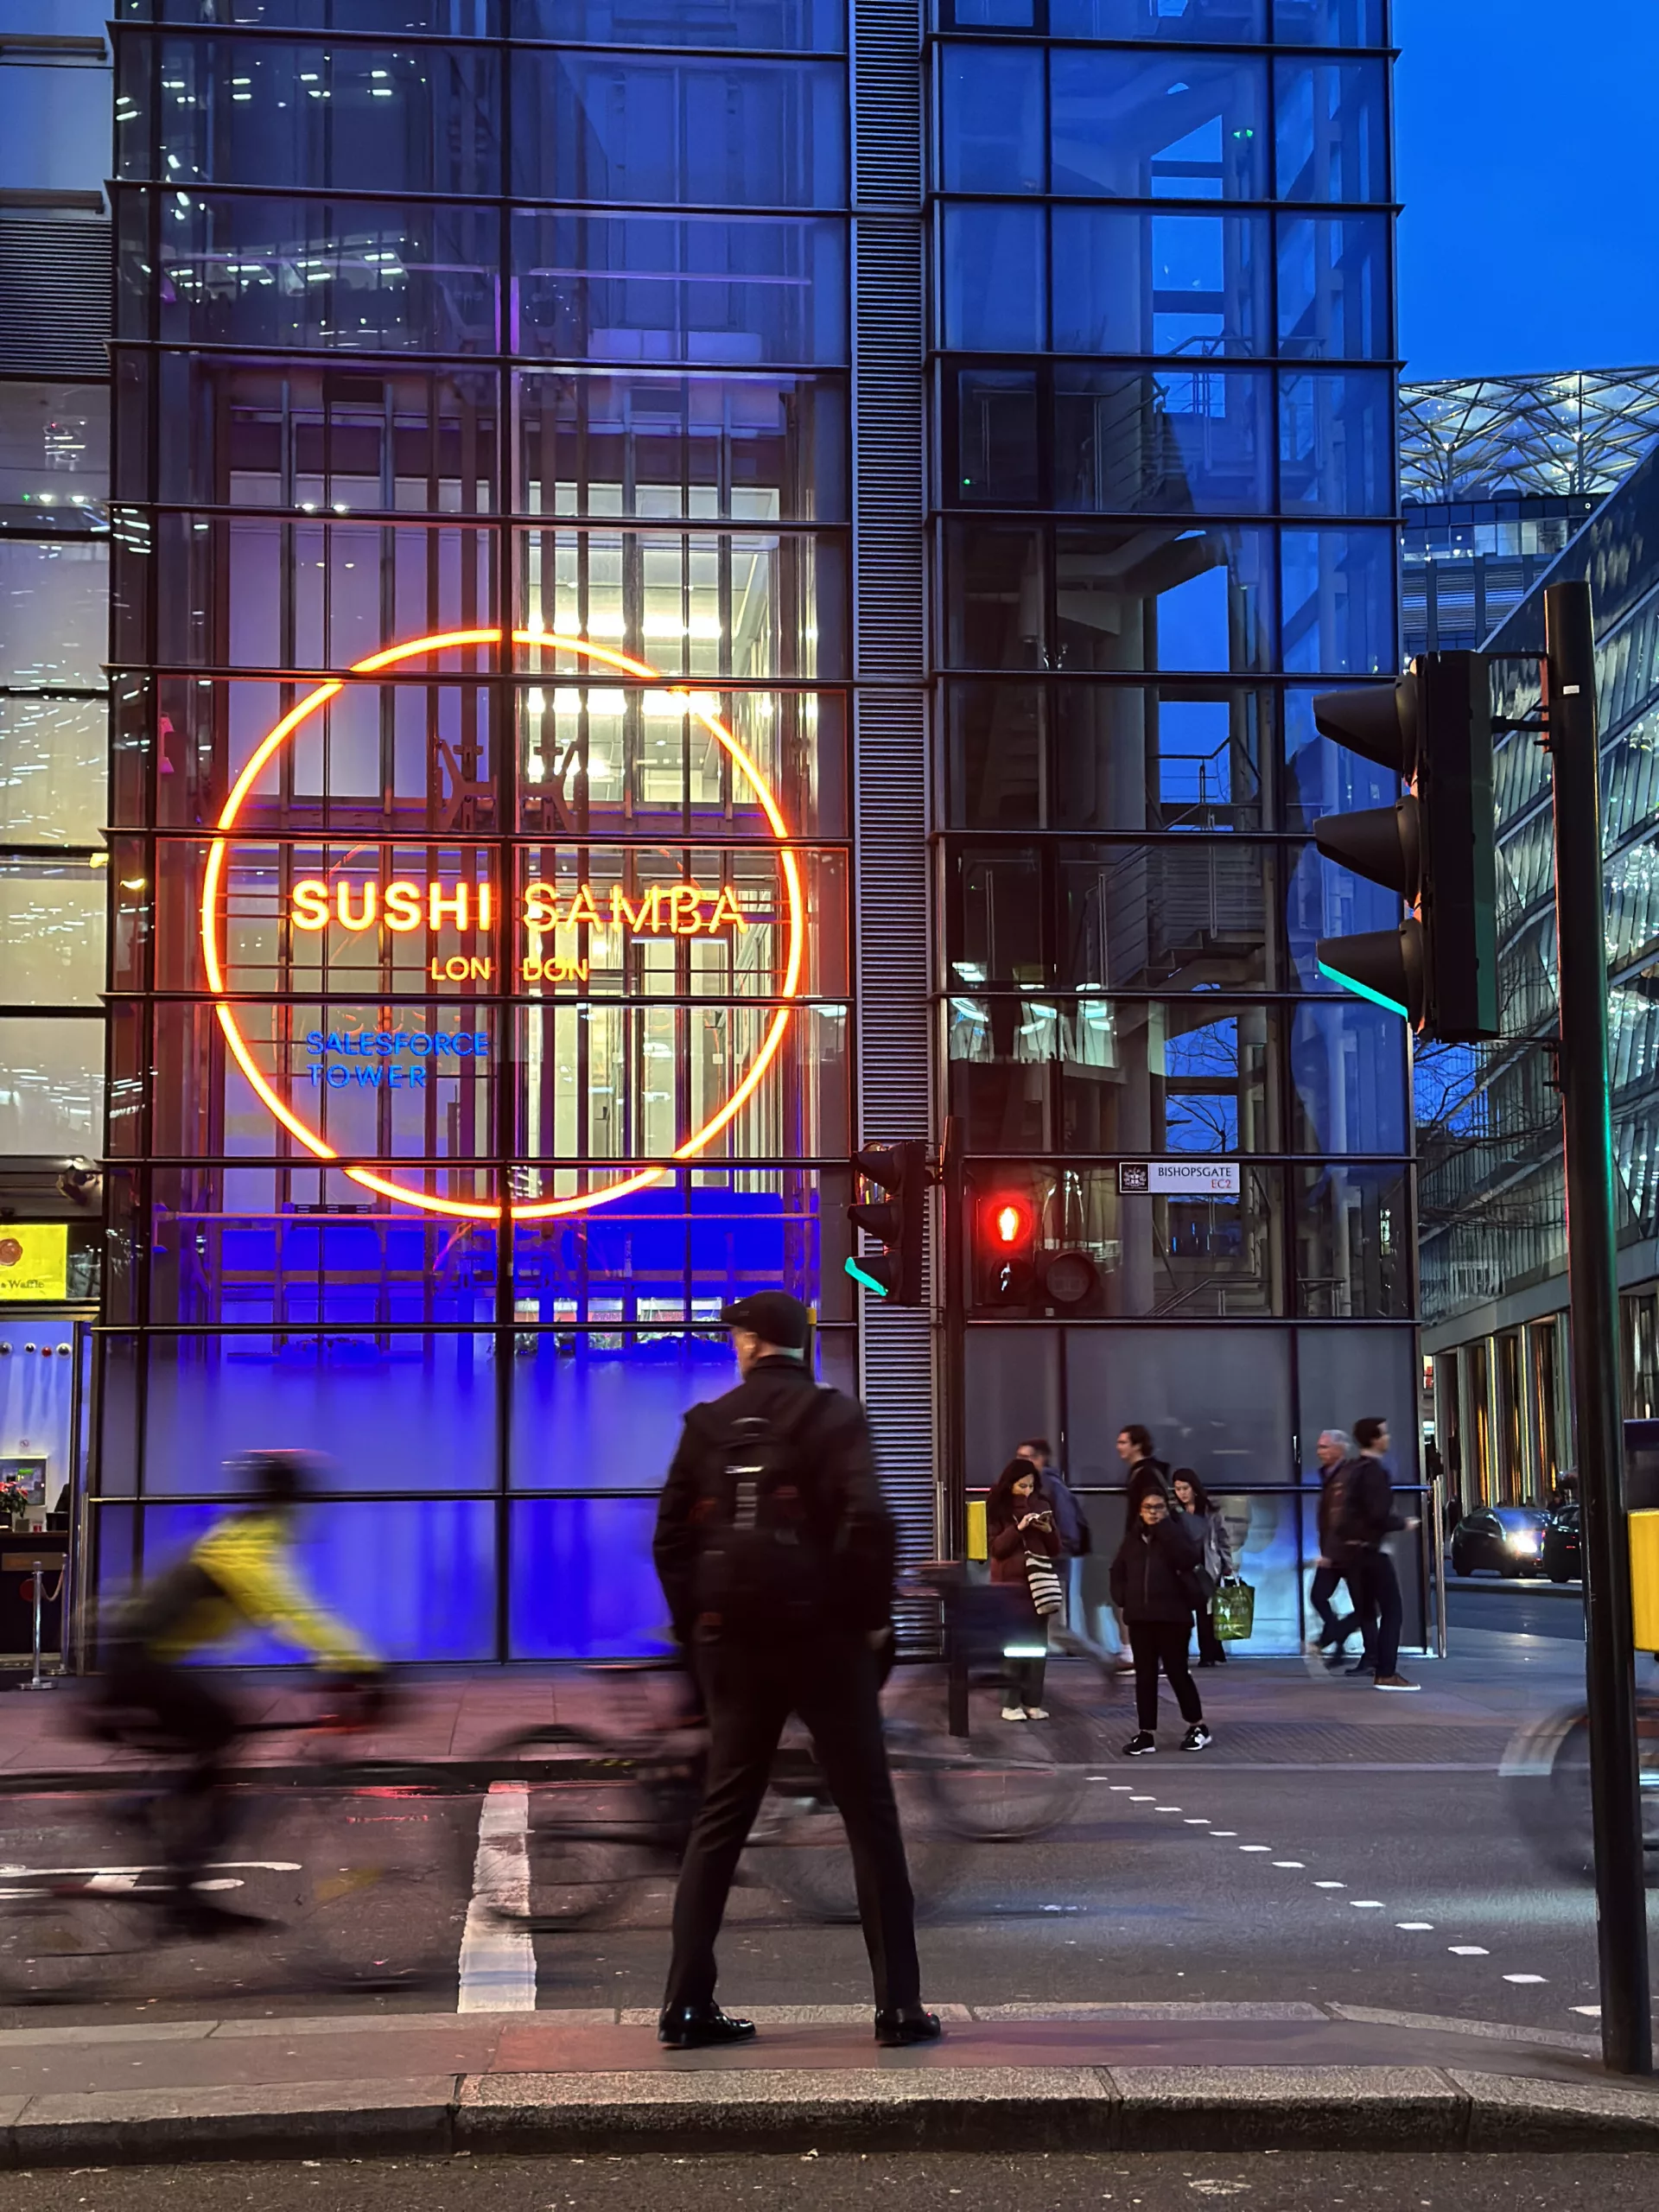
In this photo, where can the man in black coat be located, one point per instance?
(776, 1551)
(1361, 1513)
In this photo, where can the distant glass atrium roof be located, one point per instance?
(1579, 433)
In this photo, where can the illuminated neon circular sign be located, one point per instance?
(681, 909)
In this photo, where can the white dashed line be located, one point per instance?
(1589, 2011)
(1330, 1886)
(1139, 1801)
(1414, 1927)
(1193, 1822)
(1526, 1977)
(1469, 1951)
(1165, 1808)
(1300, 1864)
(1224, 1832)
(1256, 1846)
(1366, 1905)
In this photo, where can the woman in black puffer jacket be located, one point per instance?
(1153, 1590)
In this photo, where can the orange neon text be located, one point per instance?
(657, 910)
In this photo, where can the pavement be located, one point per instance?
(1325, 1935)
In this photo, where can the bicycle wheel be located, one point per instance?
(798, 1846)
(365, 1875)
(591, 1832)
(1547, 1774)
(1003, 1781)
(75, 1922)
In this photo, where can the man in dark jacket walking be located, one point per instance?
(1360, 1513)
(776, 1551)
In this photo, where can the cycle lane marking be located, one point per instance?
(498, 1960)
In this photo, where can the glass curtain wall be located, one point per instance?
(480, 958)
(1163, 378)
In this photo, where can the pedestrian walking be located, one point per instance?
(1076, 1538)
(1153, 1588)
(1191, 1497)
(1334, 1447)
(1362, 1516)
(1024, 1544)
(776, 1551)
(1145, 1471)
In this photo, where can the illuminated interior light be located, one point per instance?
(537, 1210)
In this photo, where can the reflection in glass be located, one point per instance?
(1322, 777)
(796, 26)
(55, 613)
(1337, 590)
(1163, 442)
(997, 438)
(1233, 22)
(1335, 443)
(1348, 1079)
(994, 597)
(1330, 129)
(1325, 901)
(727, 290)
(1148, 126)
(52, 929)
(55, 455)
(1132, 281)
(54, 767)
(1329, 22)
(1181, 757)
(1333, 288)
(51, 1086)
(1179, 915)
(1199, 599)
(1353, 1243)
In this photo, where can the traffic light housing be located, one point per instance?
(1006, 1245)
(899, 1220)
(1435, 846)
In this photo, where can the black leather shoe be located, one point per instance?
(692, 2027)
(896, 2026)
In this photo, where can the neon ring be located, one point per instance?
(540, 1209)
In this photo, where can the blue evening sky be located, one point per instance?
(1525, 132)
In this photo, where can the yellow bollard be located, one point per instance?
(1644, 1581)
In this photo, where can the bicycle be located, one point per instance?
(1546, 1771)
(323, 1855)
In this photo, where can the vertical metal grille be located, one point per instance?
(890, 714)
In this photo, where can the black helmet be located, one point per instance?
(281, 1477)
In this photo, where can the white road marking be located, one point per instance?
(1193, 1822)
(118, 1873)
(1330, 1886)
(1526, 1977)
(498, 1960)
(1227, 1833)
(1589, 2011)
(1256, 1846)
(1366, 1905)
(1414, 1927)
(1469, 1951)
(1300, 1864)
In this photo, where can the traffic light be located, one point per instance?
(1007, 1233)
(899, 1220)
(1433, 727)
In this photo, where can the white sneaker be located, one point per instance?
(1013, 1713)
(1036, 1713)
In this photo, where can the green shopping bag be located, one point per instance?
(1232, 1610)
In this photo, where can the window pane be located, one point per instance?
(1182, 916)
(1186, 757)
(603, 1411)
(799, 26)
(51, 1086)
(1329, 22)
(747, 448)
(996, 433)
(1000, 937)
(1198, 601)
(312, 275)
(355, 119)
(1132, 281)
(1338, 601)
(660, 131)
(1353, 1258)
(1163, 442)
(1236, 21)
(1333, 288)
(994, 597)
(990, 15)
(1332, 130)
(993, 122)
(1132, 126)
(994, 772)
(1324, 778)
(1335, 443)
(54, 122)
(54, 770)
(582, 1584)
(1348, 1080)
(54, 455)
(54, 614)
(994, 266)
(52, 932)
(723, 290)
(1216, 1400)
(1177, 1076)
(1001, 1054)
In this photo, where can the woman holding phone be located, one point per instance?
(1020, 1525)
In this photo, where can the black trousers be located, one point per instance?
(1162, 1643)
(1382, 1611)
(834, 1684)
(1333, 1630)
(186, 1717)
(1210, 1647)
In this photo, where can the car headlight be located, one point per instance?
(1522, 1540)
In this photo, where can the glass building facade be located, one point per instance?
(1493, 1194)
(693, 584)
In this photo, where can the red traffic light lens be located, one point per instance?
(1009, 1221)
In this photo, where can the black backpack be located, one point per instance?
(767, 1562)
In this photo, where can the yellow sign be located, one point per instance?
(34, 1260)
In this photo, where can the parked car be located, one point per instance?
(1563, 1557)
(1503, 1539)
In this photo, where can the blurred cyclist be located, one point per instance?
(241, 1574)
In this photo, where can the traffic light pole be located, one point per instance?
(953, 1517)
(1592, 1282)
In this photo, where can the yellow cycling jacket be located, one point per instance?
(240, 1573)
